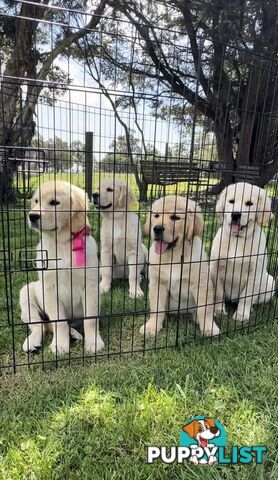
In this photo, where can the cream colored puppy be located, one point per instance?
(239, 256)
(122, 253)
(178, 271)
(68, 288)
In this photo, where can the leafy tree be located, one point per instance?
(77, 149)
(30, 44)
(218, 58)
(95, 70)
(59, 154)
(118, 159)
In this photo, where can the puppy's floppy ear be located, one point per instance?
(264, 214)
(147, 224)
(191, 428)
(194, 219)
(213, 428)
(210, 421)
(126, 196)
(131, 196)
(36, 194)
(79, 208)
(220, 205)
(122, 196)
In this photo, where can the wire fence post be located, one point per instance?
(89, 139)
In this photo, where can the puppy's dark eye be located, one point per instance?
(156, 215)
(231, 201)
(200, 429)
(109, 189)
(175, 217)
(53, 203)
(36, 200)
(249, 203)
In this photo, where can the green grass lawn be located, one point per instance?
(94, 421)
(79, 180)
(153, 190)
(121, 317)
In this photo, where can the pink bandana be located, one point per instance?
(79, 244)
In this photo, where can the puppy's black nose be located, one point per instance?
(158, 229)
(34, 217)
(95, 195)
(235, 216)
(214, 430)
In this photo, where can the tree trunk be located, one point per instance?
(224, 141)
(18, 129)
(7, 191)
(14, 129)
(258, 124)
(20, 135)
(143, 190)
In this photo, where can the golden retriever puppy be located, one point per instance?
(68, 288)
(122, 253)
(178, 271)
(239, 257)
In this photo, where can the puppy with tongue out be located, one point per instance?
(161, 246)
(178, 272)
(238, 256)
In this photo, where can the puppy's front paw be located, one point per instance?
(104, 287)
(212, 331)
(212, 460)
(94, 346)
(151, 328)
(75, 335)
(220, 309)
(31, 344)
(136, 293)
(240, 316)
(61, 348)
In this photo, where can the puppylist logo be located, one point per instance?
(203, 441)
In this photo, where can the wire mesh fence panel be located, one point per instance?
(138, 186)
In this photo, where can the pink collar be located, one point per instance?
(79, 245)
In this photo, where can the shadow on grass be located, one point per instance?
(95, 422)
